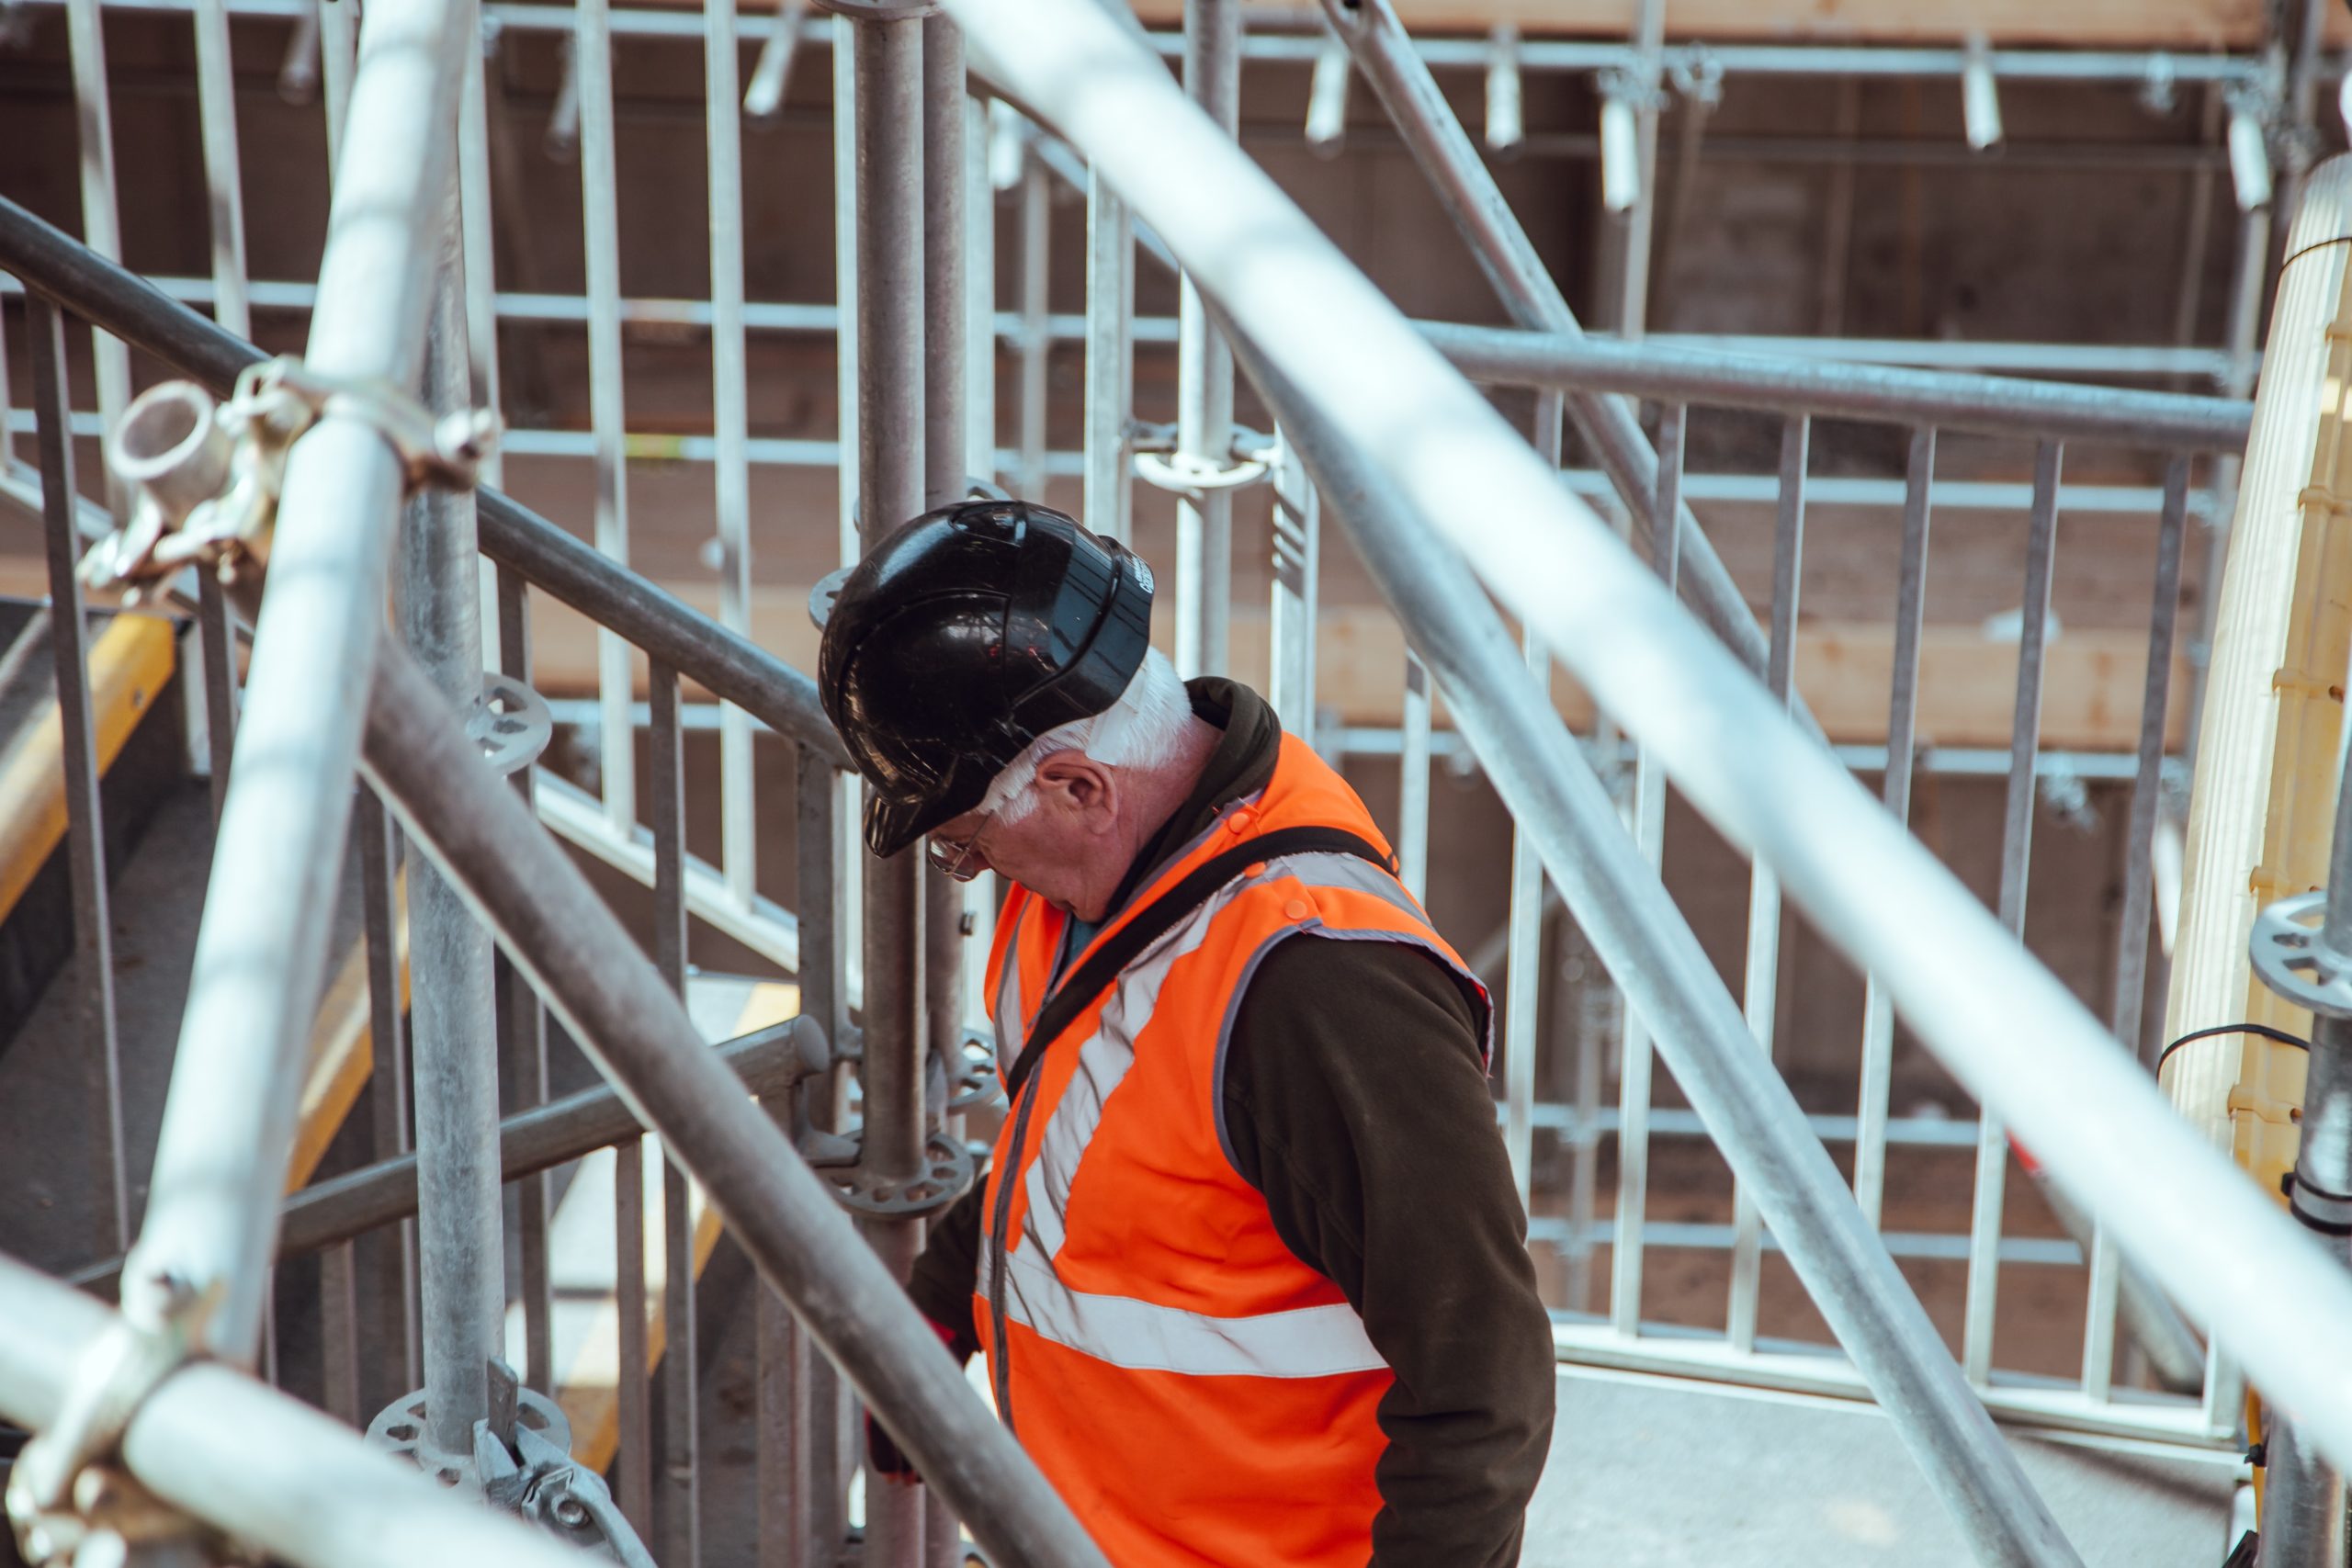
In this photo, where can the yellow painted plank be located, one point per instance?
(130, 665)
(341, 1050)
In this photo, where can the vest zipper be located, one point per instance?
(999, 1224)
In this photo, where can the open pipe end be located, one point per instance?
(168, 443)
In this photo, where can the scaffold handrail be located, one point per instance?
(1991, 405)
(731, 666)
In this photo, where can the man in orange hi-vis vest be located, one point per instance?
(1249, 1266)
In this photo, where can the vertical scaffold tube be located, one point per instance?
(616, 1004)
(946, 478)
(887, 59)
(452, 1034)
(1204, 378)
(261, 951)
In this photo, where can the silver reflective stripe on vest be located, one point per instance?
(1307, 1342)
(1103, 1064)
(1104, 1060)
(1012, 1023)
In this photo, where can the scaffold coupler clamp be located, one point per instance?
(70, 1501)
(1195, 477)
(2289, 950)
(1697, 76)
(207, 475)
(520, 1463)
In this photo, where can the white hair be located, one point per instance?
(1142, 729)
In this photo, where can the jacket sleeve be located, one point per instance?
(948, 1269)
(1356, 1102)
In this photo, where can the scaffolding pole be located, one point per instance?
(560, 932)
(1204, 379)
(886, 53)
(1468, 190)
(453, 1036)
(260, 952)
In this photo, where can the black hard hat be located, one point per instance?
(961, 638)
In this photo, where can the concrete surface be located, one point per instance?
(1665, 1472)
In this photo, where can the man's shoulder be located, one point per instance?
(1319, 1004)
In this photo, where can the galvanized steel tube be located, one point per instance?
(600, 213)
(2017, 858)
(2171, 1346)
(1901, 725)
(1636, 1066)
(100, 1059)
(560, 930)
(1761, 979)
(731, 418)
(101, 224)
(1561, 805)
(260, 952)
(646, 615)
(887, 57)
(946, 478)
(216, 105)
(1036, 340)
(1990, 404)
(1475, 203)
(452, 1027)
(1110, 357)
(1204, 378)
(295, 1482)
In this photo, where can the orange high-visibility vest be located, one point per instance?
(1198, 1395)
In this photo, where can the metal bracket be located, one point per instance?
(209, 475)
(511, 724)
(67, 1500)
(1697, 76)
(2288, 955)
(1249, 460)
(1626, 86)
(520, 1463)
(400, 1428)
(947, 1175)
(971, 1073)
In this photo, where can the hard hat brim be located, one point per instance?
(891, 826)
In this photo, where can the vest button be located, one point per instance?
(1296, 908)
(1255, 868)
(1238, 822)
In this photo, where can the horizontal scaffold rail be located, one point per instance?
(730, 666)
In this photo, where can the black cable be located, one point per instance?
(2261, 1030)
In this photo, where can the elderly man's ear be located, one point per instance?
(1082, 789)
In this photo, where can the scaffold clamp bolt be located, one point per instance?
(208, 475)
(68, 1498)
